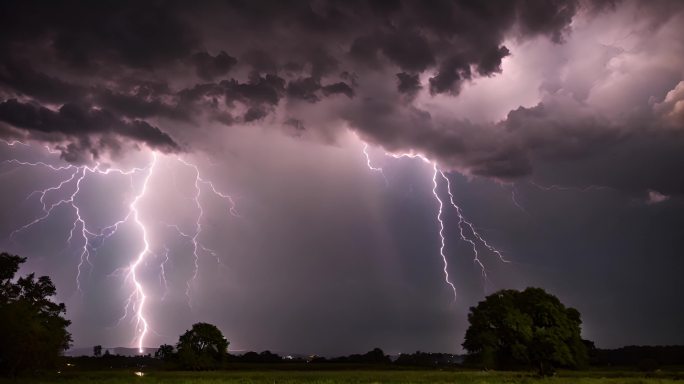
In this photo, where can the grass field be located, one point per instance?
(349, 377)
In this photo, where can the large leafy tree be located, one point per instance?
(202, 347)
(529, 328)
(33, 332)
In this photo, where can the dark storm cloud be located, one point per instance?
(94, 34)
(459, 143)
(550, 18)
(408, 83)
(138, 105)
(258, 90)
(91, 41)
(304, 89)
(260, 61)
(22, 78)
(555, 134)
(491, 61)
(106, 56)
(453, 72)
(409, 50)
(76, 53)
(73, 120)
(640, 164)
(309, 88)
(254, 113)
(208, 67)
(338, 88)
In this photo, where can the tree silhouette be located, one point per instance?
(32, 330)
(97, 351)
(164, 352)
(529, 328)
(202, 347)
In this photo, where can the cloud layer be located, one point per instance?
(93, 79)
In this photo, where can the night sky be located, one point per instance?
(277, 168)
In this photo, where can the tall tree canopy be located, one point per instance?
(529, 328)
(202, 347)
(33, 332)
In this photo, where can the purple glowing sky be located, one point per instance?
(279, 170)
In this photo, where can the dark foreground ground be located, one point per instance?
(352, 376)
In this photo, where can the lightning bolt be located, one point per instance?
(441, 230)
(69, 186)
(46, 211)
(197, 246)
(141, 322)
(461, 222)
(13, 142)
(162, 272)
(464, 223)
(85, 251)
(72, 177)
(440, 206)
(199, 180)
(467, 231)
(370, 166)
(77, 176)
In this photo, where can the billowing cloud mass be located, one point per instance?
(560, 124)
(93, 78)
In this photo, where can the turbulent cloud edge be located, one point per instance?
(94, 80)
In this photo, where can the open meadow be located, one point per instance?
(353, 376)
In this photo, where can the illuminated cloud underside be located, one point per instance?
(123, 125)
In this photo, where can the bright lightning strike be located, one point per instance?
(441, 230)
(466, 228)
(71, 183)
(197, 246)
(439, 211)
(141, 324)
(370, 166)
(12, 143)
(212, 188)
(69, 186)
(79, 174)
(80, 225)
(463, 221)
